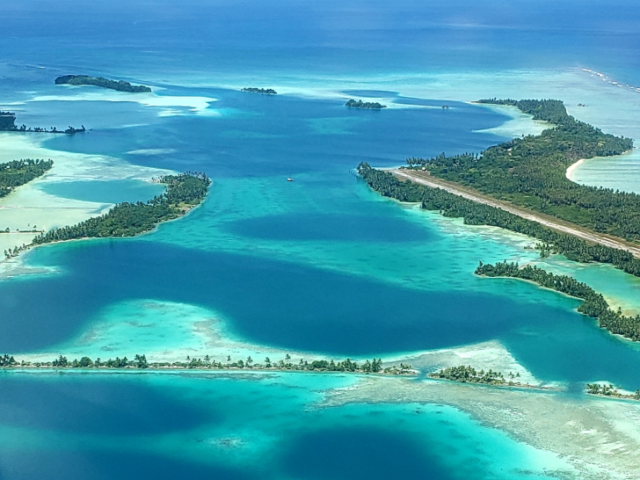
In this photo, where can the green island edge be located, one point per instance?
(188, 190)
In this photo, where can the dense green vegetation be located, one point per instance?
(8, 124)
(7, 361)
(360, 104)
(610, 391)
(18, 172)
(264, 91)
(531, 171)
(473, 213)
(207, 362)
(119, 85)
(128, 219)
(468, 374)
(594, 303)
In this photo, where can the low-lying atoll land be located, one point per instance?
(119, 85)
(209, 363)
(263, 91)
(529, 173)
(365, 105)
(184, 192)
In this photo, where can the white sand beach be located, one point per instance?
(29, 207)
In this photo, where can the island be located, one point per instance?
(609, 390)
(468, 374)
(18, 172)
(119, 85)
(594, 305)
(263, 91)
(521, 186)
(8, 124)
(208, 363)
(366, 105)
(184, 192)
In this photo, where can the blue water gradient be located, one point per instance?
(320, 263)
(236, 427)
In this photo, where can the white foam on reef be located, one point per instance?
(164, 331)
(520, 123)
(170, 105)
(170, 332)
(29, 206)
(152, 151)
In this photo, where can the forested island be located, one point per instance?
(126, 219)
(263, 91)
(531, 171)
(119, 85)
(208, 363)
(18, 172)
(468, 374)
(8, 124)
(594, 304)
(473, 213)
(366, 105)
(610, 391)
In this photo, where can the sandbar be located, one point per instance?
(600, 438)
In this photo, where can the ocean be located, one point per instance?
(317, 266)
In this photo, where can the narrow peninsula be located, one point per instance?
(19, 172)
(364, 105)
(521, 186)
(183, 193)
(263, 91)
(119, 85)
(209, 363)
(594, 305)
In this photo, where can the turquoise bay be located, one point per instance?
(319, 265)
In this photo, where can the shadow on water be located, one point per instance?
(104, 465)
(310, 226)
(369, 453)
(104, 406)
(300, 307)
(270, 302)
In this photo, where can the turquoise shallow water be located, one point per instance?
(320, 264)
(105, 192)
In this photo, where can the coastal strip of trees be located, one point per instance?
(531, 171)
(263, 91)
(610, 391)
(365, 105)
(209, 363)
(468, 374)
(594, 304)
(472, 213)
(119, 85)
(129, 219)
(18, 172)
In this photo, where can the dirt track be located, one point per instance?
(546, 220)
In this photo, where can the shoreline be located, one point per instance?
(31, 247)
(29, 204)
(553, 223)
(156, 369)
(572, 169)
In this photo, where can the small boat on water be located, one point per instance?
(289, 179)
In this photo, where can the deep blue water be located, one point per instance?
(348, 453)
(103, 427)
(265, 135)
